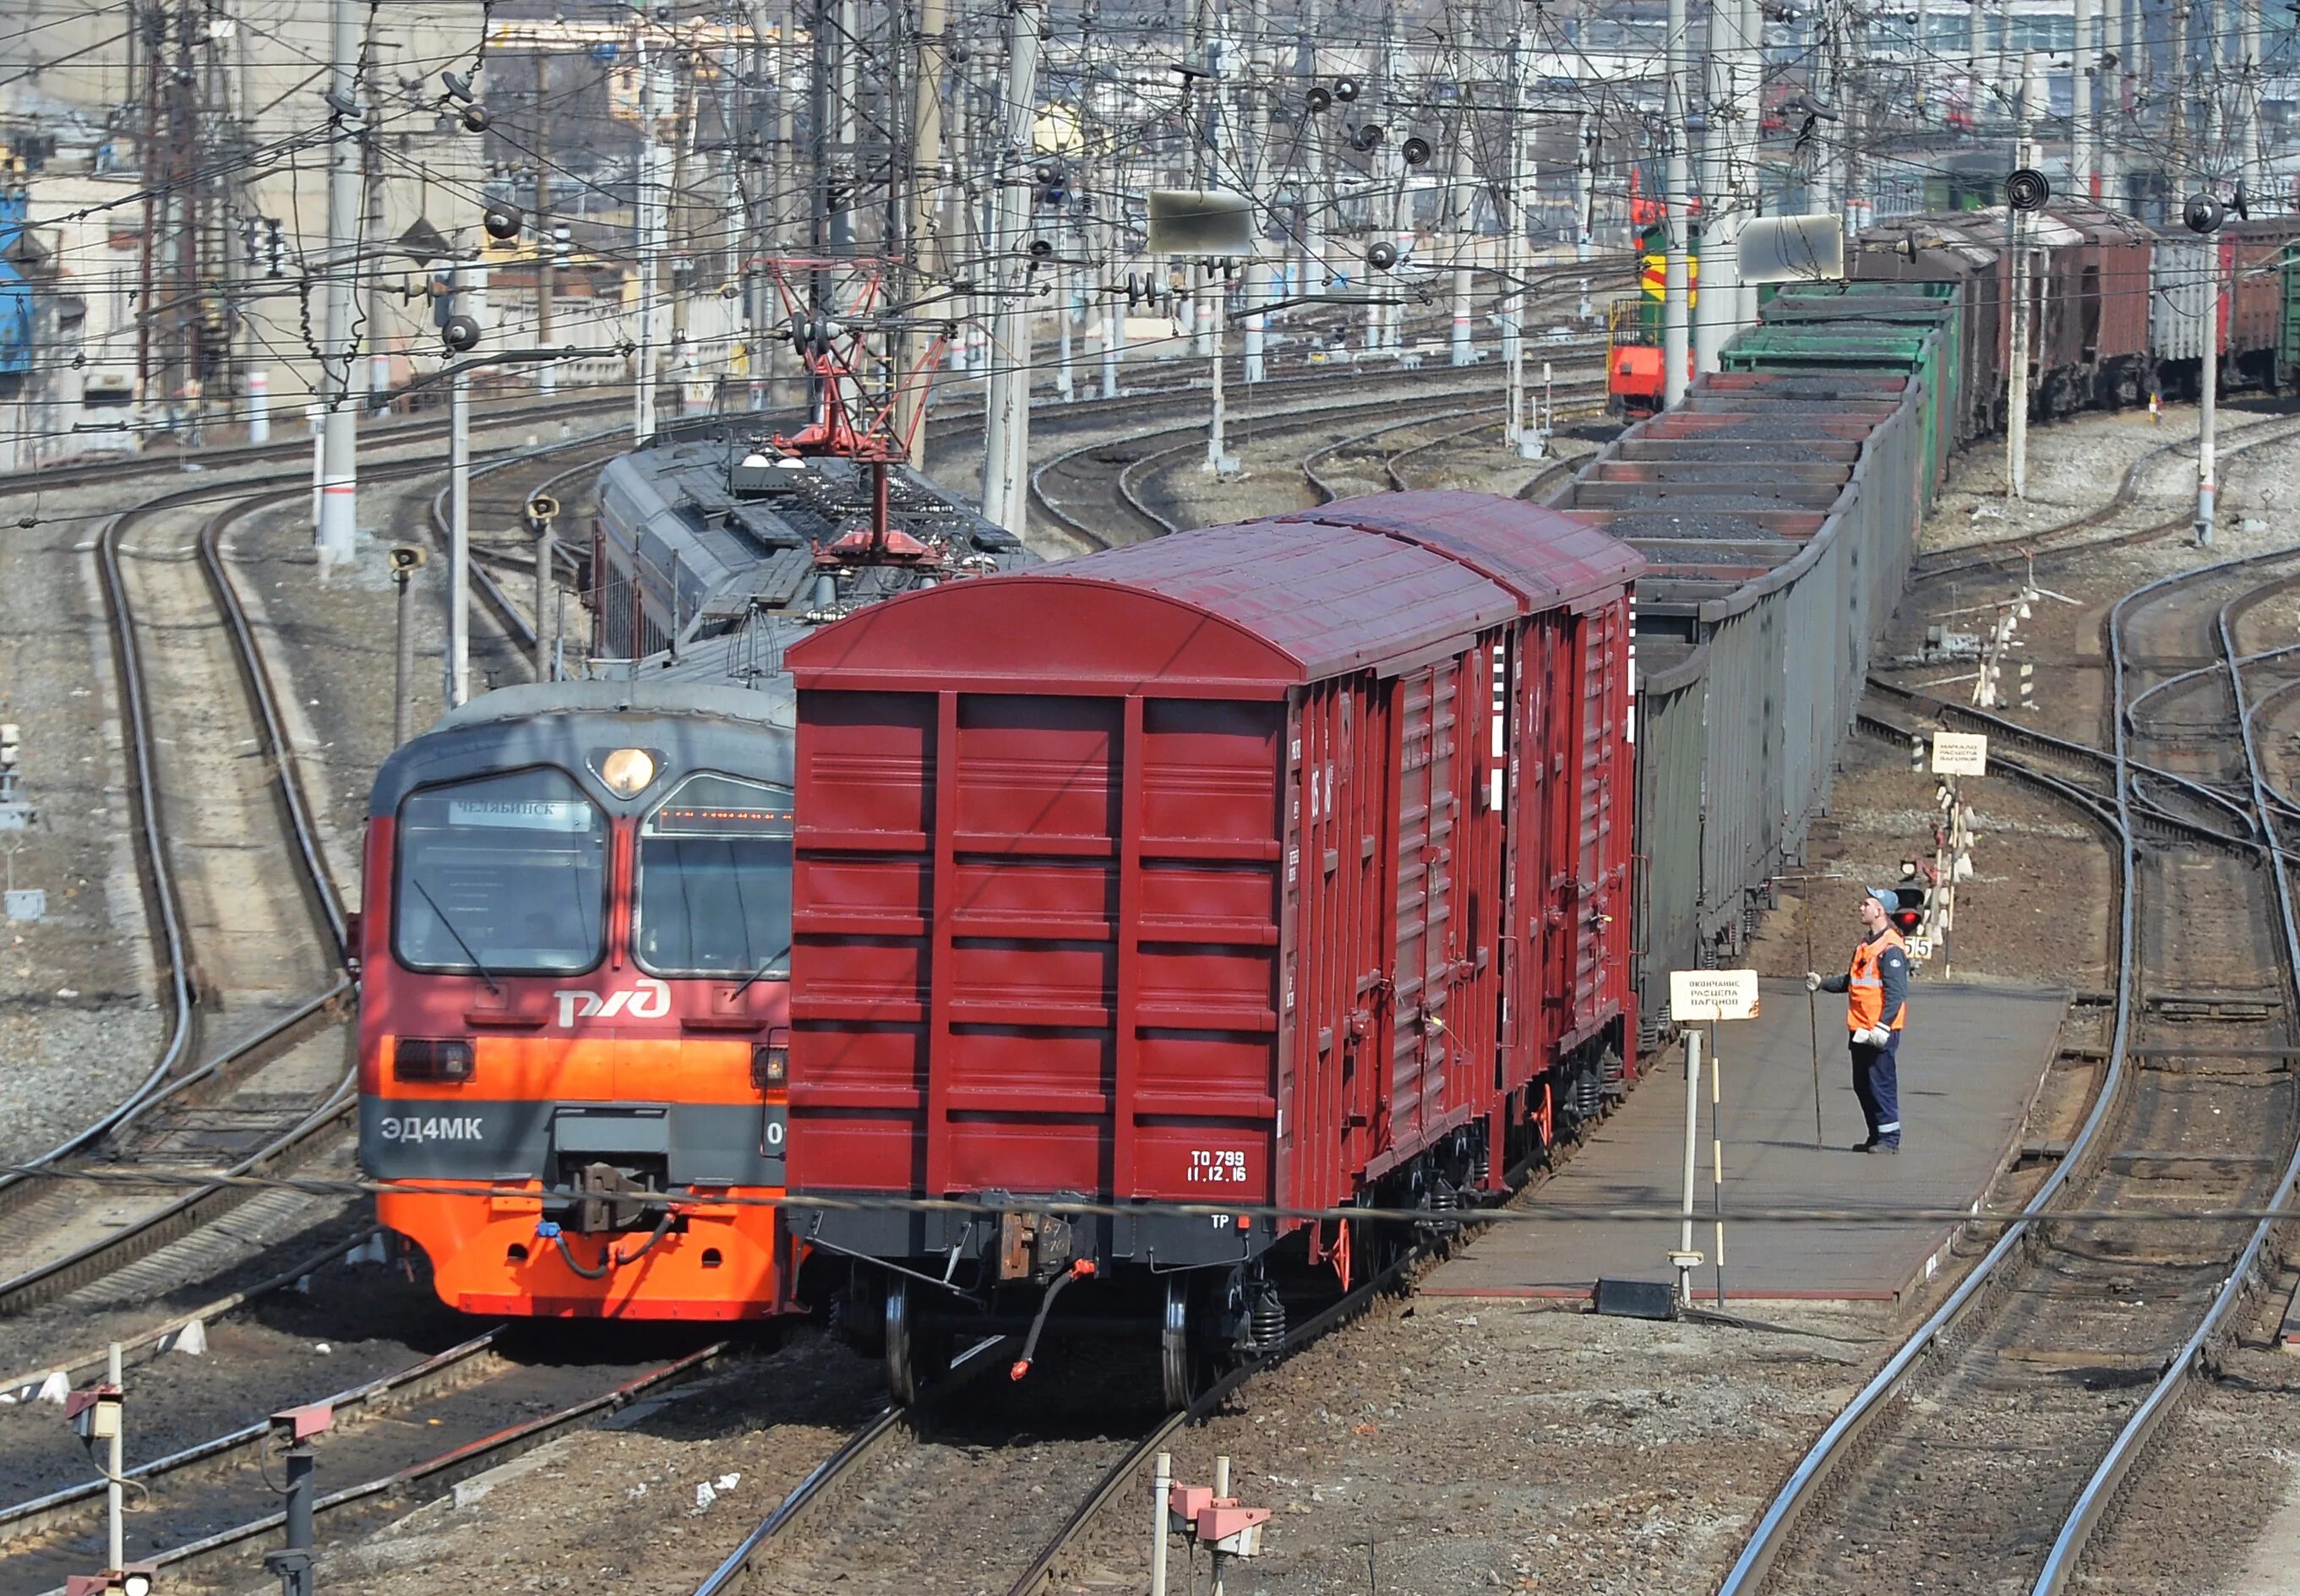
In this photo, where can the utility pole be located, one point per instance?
(1259, 67)
(1310, 214)
(1723, 151)
(1007, 442)
(1676, 179)
(2016, 368)
(338, 530)
(1585, 197)
(2084, 165)
(1460, 202)
(2108, 105)
(652, 220)
(2208, 384)
(2176, 103)
(925, 254)
(471, 300)
(1100, 168)
(546, 379)
(1515, 433)
(2245, 134)
(1213, 289)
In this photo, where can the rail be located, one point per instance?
(2122, 818)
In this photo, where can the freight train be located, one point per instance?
(2118, 308)
(1183, 893)
(577, 926)
(1283, 865)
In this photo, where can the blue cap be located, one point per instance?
(1886, 896)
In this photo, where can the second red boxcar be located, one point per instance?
(1282, 864)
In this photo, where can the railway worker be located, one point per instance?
(1876, 988)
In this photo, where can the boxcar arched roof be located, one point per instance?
(1365, 583)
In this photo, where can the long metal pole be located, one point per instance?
(115, 1529)
(2208, 384)
(1161, 1484)
(2083, 137)
(1214, 289)
(1260, 68)
(547, 375)
(1692, 1157)
(1007, 437)
(1713, 309)
(925, 179)
(651, 220)
(547, 583)
(2016, 368)
(471, 298)
(403, 664)
(1512, 308)
(338, 528)
(1461, 208)
(1675, 182)
(459, 539)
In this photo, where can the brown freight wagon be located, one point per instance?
(1277, 865)
(2089, 302)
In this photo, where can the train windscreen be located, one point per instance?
(501, 874)
(713, 890)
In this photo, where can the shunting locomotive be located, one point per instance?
(576, 941)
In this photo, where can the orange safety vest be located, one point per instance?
(1865, 996)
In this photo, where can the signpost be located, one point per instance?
(1696, 995)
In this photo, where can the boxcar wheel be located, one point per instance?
(1181, 1361)
(916, 1357)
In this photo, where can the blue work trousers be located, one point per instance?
(1877, 1083)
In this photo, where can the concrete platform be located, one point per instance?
(1975, 1057)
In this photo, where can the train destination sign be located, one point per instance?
(1713, 994)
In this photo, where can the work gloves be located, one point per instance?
(1875, 1036)
(1813, 980)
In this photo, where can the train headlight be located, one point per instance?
(429, 1059)
(135, 1582)
(626, 772)
(770, 1063)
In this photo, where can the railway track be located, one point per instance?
(174, 460)
(1998, 554)
(277, 1090)
(1992, 1444)
(1010, 1496)
(214, 821)
(397, 1440)
(1077, 490)
(1391, 461)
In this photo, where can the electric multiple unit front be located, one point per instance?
(575, 975)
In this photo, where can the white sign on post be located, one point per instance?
(1696, 994)
(1960, 754)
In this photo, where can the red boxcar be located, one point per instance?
(1283, 864)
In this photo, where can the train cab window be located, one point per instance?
(712, 894)
(501, 874)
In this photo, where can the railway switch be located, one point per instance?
(1215, 1522)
